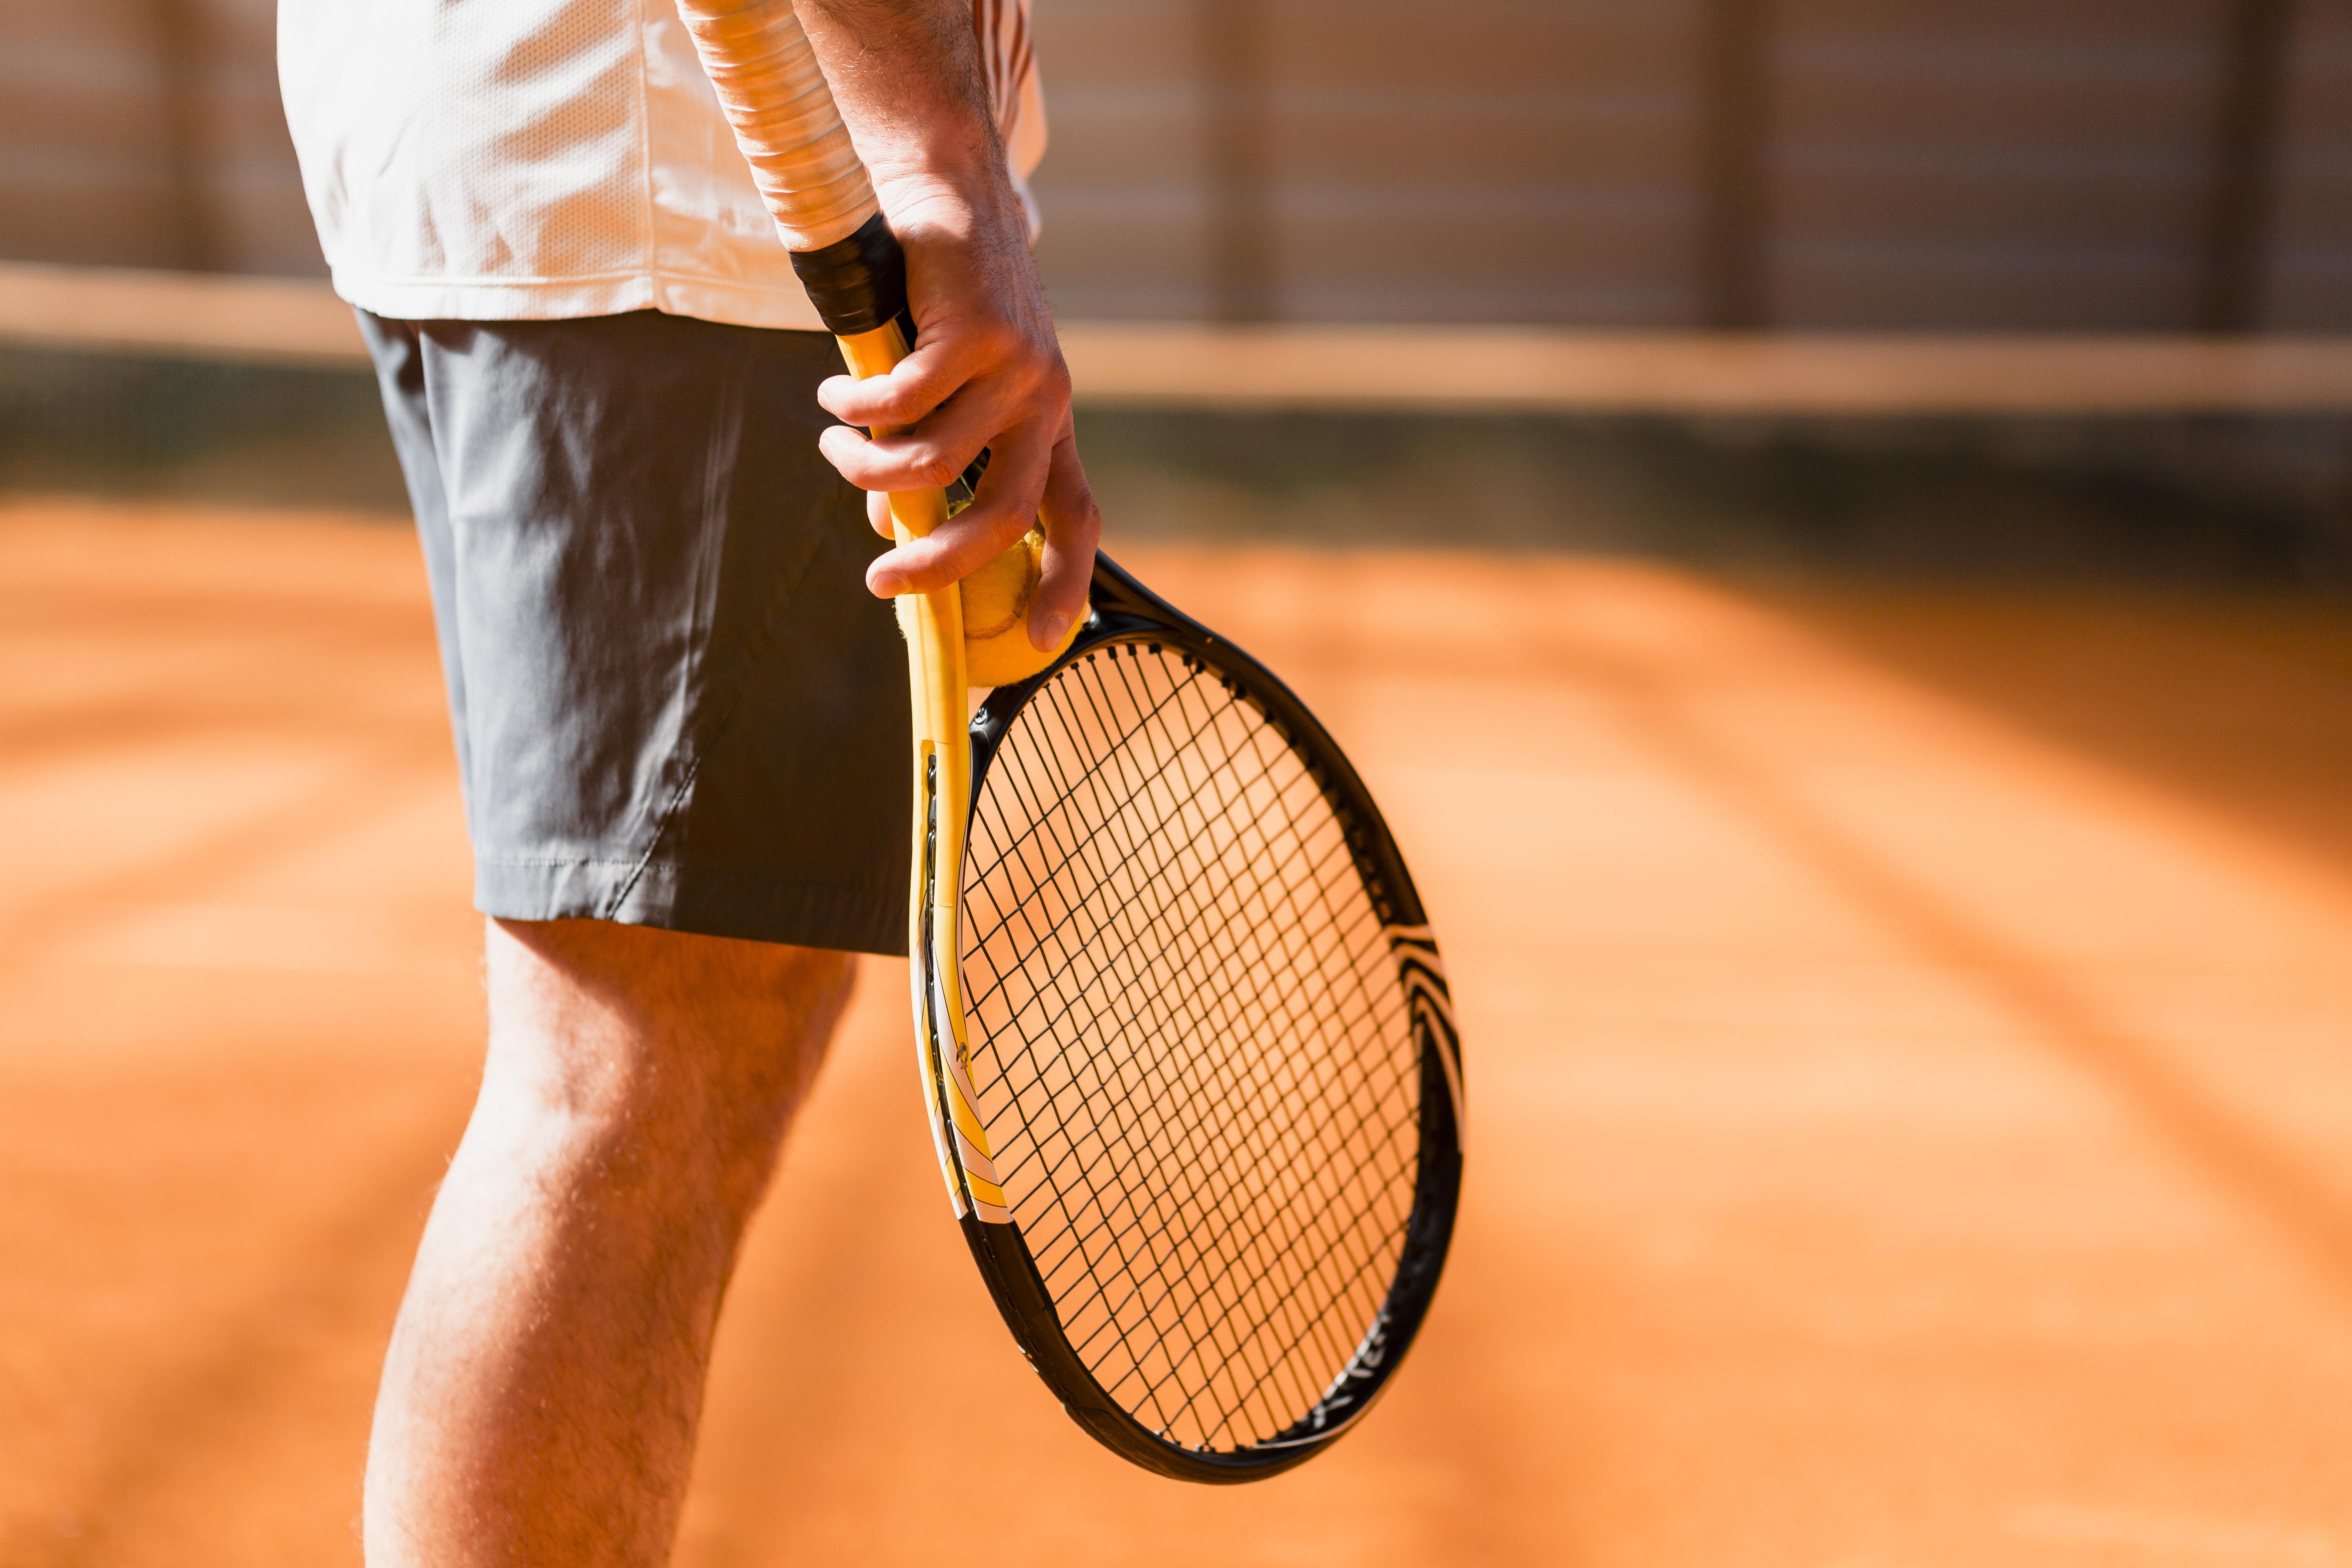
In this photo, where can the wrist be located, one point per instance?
(968, 200)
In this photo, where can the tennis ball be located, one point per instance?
(996, 603)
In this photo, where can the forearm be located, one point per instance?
(906, 76)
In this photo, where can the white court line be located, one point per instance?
(1303, 366)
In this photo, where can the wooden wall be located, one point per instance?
(148, 132)
(1475, 160)
(2065, 164)
(2310, 281)
(2000, 163)
(2061, 165)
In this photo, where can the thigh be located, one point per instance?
(678, 706)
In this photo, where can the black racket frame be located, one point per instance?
(1122, 611)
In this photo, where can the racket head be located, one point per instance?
(1211, 1049)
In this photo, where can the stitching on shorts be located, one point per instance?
(661, 830)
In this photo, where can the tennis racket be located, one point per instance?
(1186, 1043)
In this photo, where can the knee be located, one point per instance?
(653, 1059)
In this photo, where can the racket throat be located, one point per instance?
(957, 1131)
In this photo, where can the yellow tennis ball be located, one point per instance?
(996, 603)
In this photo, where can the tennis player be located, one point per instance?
(679, 699)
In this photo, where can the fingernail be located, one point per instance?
(888, 585)
(1052, 631)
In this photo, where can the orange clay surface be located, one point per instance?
(1911, 1068)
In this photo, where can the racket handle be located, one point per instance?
(873, 352)
(775, 98)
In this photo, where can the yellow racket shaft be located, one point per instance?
(933, 625)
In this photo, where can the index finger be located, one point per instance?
(930, 374)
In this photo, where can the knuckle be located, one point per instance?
(934, 469)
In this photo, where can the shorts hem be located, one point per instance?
(701, 900)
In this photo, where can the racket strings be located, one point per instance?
(1196, 1020)
(1191, 1044)
(1180, 1259)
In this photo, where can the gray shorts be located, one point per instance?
(675, 702)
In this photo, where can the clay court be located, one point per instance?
(1910, 1041)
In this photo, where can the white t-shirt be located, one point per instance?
(504, 160)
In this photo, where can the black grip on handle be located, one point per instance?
(858, 283)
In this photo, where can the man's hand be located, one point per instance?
(986, 370)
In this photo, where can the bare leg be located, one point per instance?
(545, 1377)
